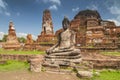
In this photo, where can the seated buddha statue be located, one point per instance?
(66, 41)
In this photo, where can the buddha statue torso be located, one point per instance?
(65, 39)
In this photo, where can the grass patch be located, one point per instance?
(106, 75)
(2, 51)
(14, 65)
(115, 53)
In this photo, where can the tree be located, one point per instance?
(4, 39)
(21, 39)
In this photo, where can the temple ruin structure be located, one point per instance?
(47, 34)
(12, 40)
(94, 32)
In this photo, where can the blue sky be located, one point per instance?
(27, 14)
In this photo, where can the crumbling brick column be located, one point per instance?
(36, 63)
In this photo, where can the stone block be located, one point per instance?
(85, 74)
(36, 63)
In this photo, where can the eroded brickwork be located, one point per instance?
(12, 40)
(92, 31)
(47, 33)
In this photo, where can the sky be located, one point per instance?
(27, 14)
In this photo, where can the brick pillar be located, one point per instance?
(36, 63)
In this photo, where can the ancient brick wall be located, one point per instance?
(105, 63)
(15, 57)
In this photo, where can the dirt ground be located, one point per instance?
(26, 75)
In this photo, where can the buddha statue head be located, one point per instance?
(65, 23)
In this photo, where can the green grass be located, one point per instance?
(115, 53)
(106, 75)
(2, 51)
(14, 66)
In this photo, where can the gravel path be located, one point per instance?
(26, 75)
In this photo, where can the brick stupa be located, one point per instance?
(47, 33)
(12, 40)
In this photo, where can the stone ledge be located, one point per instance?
(105, 63)
(19, 57)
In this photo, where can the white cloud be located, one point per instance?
(53, 7)
(114, 20)
(92, 7)
(7, 14)
(1, 35)
(18, 35)
(25, 34)
(75, 9)
(3, 8)
(34, 37)
(53, 4)
(3, 4)
(58, 2)
(115, 11)
(21, 35)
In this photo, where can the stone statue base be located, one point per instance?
(63, 54)
(58, 60)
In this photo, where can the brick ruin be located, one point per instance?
(47, 34)
(30, 44)
(29, 39)
(93, 32)
(12, 40)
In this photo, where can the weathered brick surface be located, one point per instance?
(15, 57)
(105, 63)
(12, 41)
(47, 33)
(36, 63)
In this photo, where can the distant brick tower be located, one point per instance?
(47, 33)
(47, 25)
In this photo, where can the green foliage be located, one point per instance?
(1, 41)
(4, 39)
(115, 53)
(106, 75)
(14, 65)
(2, 51)
(21, 39)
